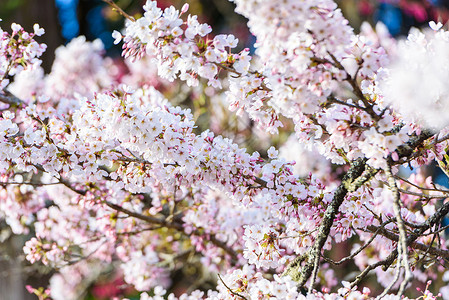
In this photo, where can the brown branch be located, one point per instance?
(177, 226)
(8, 98)
(431, 221)
(356, 89)
(358, 174)
(229, 289)
(119, 10)
(360, 248)
(386, 263)
(402, 242)
(415, 245)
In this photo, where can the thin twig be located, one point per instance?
(419, 187)
(386, 262)
(360, 248)
(231, 291)
(413, 244)
(438, 231)
(119, 10)
(396, 276)
(428, 249)
(355, 88)
(174, 225)
(442, 139)
(423, 195)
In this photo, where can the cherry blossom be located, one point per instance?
(106, 170)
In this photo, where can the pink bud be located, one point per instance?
(185, 8)
(394, 156)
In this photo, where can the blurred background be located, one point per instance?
(64, 20)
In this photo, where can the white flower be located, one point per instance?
(204, 29)
(37, 30)
(435, 26)
(43, 99)
(15, 27)
(272, 153)
(177, 31)
(117, 37)
(208, 71)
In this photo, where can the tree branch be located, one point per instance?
(358, 174)
(415, 245)
(229, 289)
(177, 226)
(360, 249)
(119, 10)
(402, 243)
(431, 221)
(8, 98)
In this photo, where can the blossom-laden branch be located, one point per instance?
(178, 226)
(164, 223)
(402, 243)
(360, 249)
(10, 99)
(437, 252)
(357, 175)
(412, 237)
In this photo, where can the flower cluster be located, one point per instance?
(18, 51)
(180, 47)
